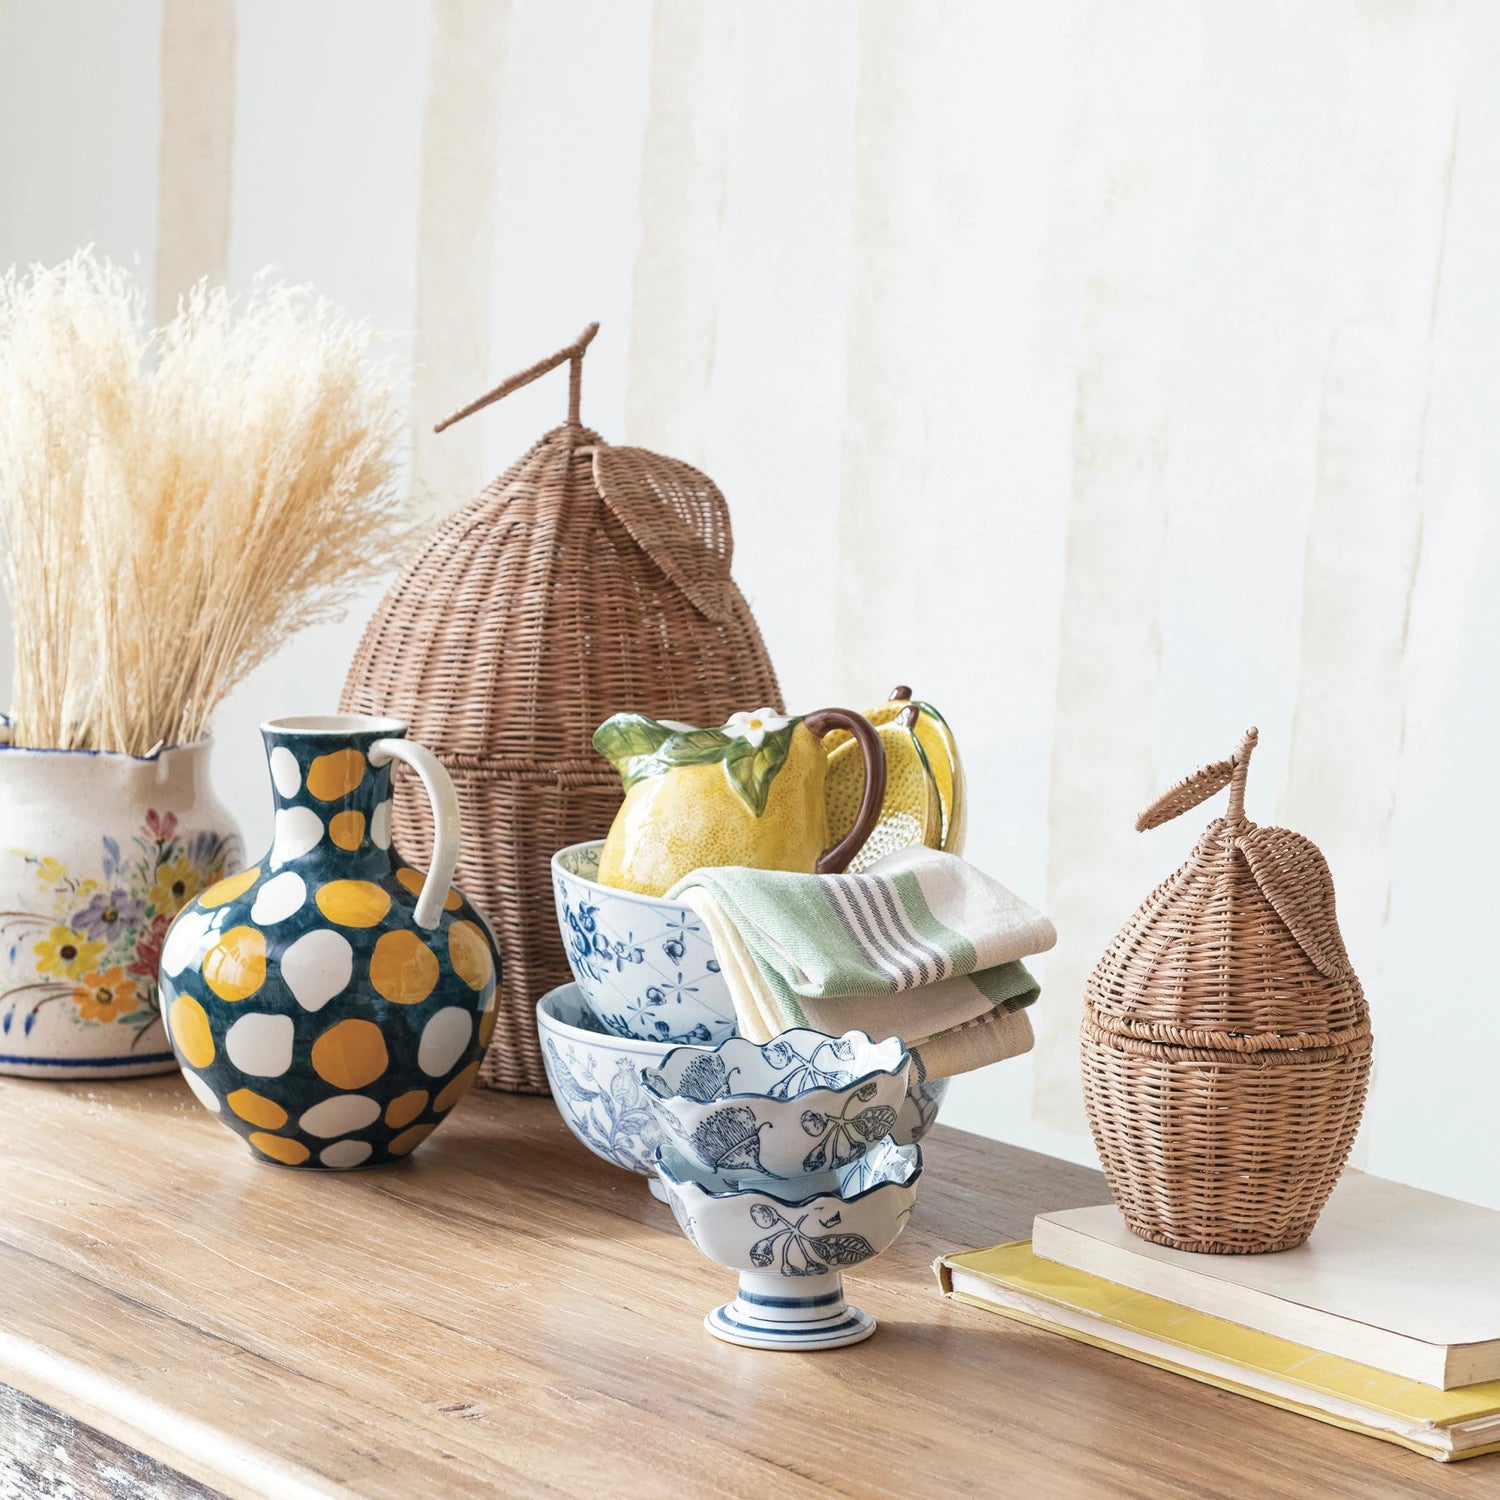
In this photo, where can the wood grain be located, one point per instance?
(46, 1455)
(504, 1312)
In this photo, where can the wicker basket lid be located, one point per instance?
(1240, 948)
(585, 581)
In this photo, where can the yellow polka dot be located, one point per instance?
(335, 775)
(403, 968)
(353, 903)
(487, 1026)
(235, 966)
(346, 829)
(409, 1140)
(350, 1054)
(256, 1109)
(414, 880)
(405, 1108)
(456, 1087)
(293, 1153)
(228, 889)
(191, 1031)
(469, 954)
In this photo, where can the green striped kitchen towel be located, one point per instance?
(923, 946)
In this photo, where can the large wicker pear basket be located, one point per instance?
(585, 581)
(1226, 1040)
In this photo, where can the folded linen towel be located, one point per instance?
(922, 946)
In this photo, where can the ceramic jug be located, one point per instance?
(748, 793)
(98, 853)
(330, 1004)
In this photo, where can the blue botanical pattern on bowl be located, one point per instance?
(919, 1110)
(801, 1103)
(645, 966)
(596, 1081)
(810, 1226)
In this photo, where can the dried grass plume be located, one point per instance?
(176, 505)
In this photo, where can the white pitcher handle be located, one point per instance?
(445, 822)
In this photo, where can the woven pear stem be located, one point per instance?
(1241, 764)
(1203, 784)
(571, 352)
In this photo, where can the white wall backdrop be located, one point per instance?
(1118, 375)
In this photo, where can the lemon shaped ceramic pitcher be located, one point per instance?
(750, 792)
(330, 1004)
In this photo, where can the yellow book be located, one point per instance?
(1010, 1280)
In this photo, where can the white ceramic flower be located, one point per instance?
(755, 727)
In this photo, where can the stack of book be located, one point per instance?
(1386, 1322)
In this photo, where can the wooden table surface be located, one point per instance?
(506, 1314)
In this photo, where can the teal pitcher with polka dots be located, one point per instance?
(331, 1003)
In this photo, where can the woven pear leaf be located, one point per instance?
(676, 516)
(1295, 879)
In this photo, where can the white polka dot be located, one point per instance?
(183, 940)
(445, 1039)
(340, 1115)
(278, 898)
(285, 772)
(261, 1045)
(345, 1154)
(298, 829)
(317, 966)
(206, 1096)
(489, 998)
(380, 825)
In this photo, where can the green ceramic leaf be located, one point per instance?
(621, 738)
(751, 771)
(639, 747)
(695, 747)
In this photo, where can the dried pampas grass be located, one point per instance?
(176, 505)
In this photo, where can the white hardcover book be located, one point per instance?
(1393, 1277)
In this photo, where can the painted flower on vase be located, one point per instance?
(109, 913)
(176, 884)
(92, 941)
(107, 996)
(149, 940)
(66, 953)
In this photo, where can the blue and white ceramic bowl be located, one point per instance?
(645, 966)
(596, 1085)
(792, 1243)
(802, 1103)
(595, 1078)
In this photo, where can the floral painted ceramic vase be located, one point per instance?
(331, 1003)
(98, 853)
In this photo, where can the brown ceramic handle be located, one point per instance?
(832, 861)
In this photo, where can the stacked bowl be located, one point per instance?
(780, 1164)
(646, 980)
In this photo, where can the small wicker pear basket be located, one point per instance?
(586, 580)
(1226, 1040)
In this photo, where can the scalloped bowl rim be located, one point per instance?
(911, 1155)
(650, 1077)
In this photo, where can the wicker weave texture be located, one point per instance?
(584, 581)
(1226, 1039)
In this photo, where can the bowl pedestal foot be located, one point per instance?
(780, 1312)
